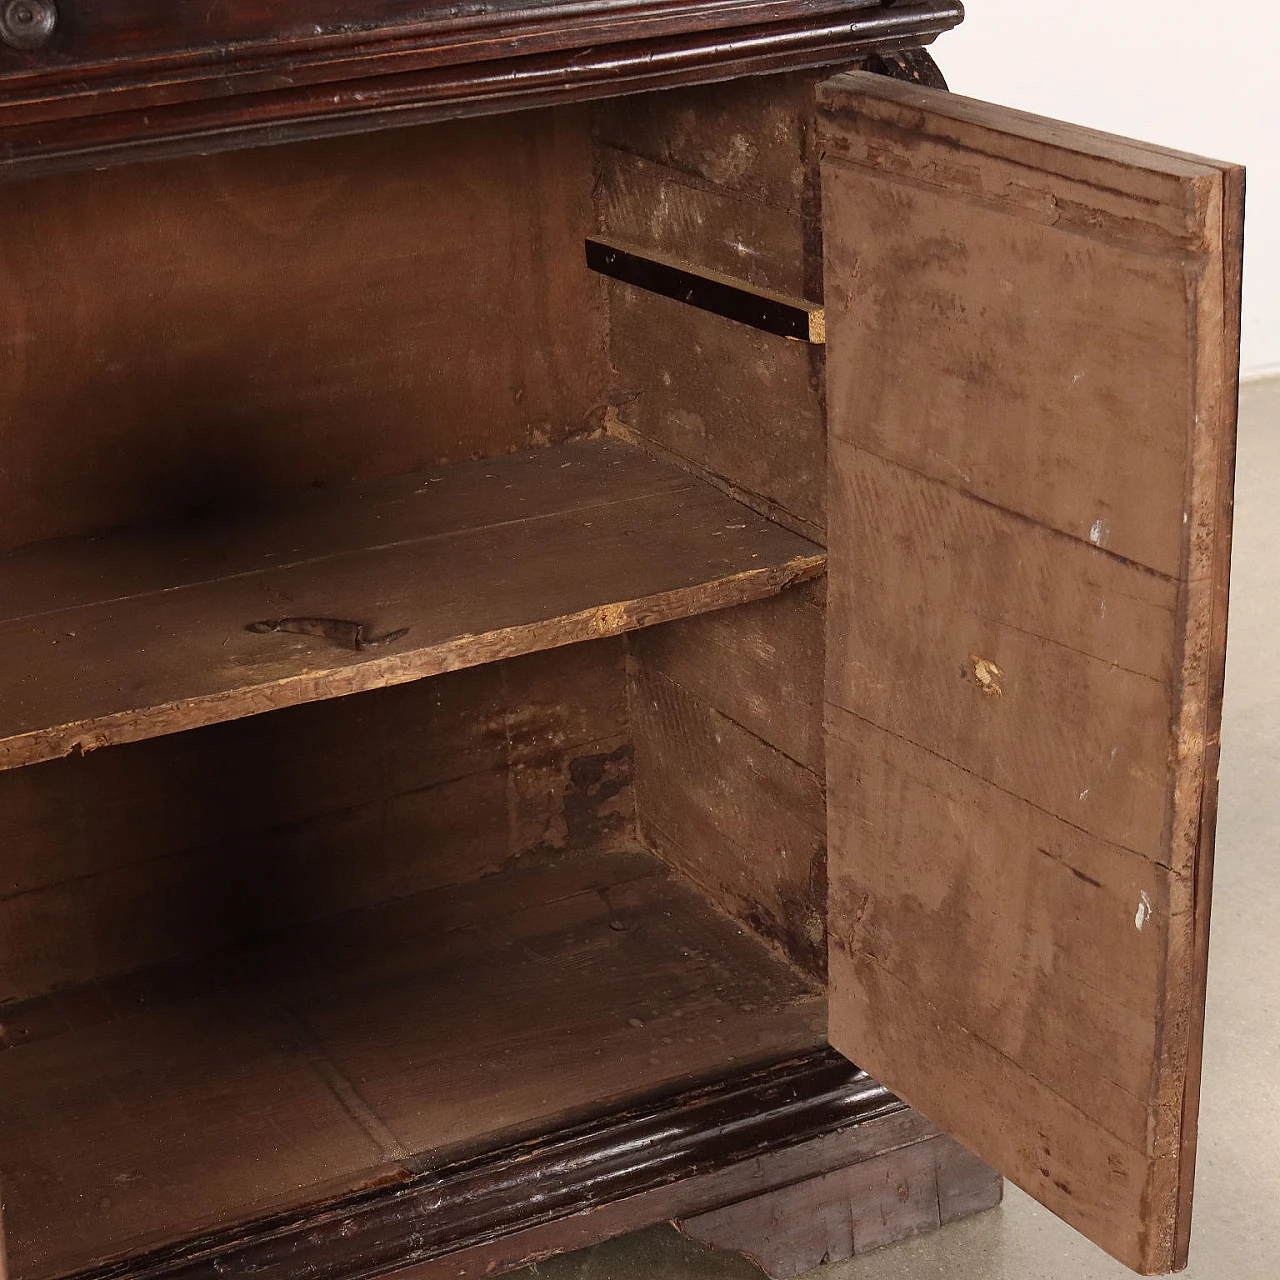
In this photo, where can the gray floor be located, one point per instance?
(1237, 1215)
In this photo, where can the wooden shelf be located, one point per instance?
(359, 1052)
(144, 632)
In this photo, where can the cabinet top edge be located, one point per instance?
(68, 106)
(968, 122)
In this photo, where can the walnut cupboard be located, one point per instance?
(568, 573)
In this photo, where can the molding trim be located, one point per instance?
(82, 117)
(472, 1203)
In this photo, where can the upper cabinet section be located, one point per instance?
(88, 82)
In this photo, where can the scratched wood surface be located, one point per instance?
(367, 1048)
(723, 178)
(726, 722)
(1032, 394)
(136, 635)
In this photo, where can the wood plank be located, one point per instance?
(994, 682)
(532, 1041)
(133, 665)
(726, 175)
(1069, 437)
(376, 1045)
(1032, 370)
(118, 1137)
(762, 665)
(744, 407)
(1043, 959)
(743, 821)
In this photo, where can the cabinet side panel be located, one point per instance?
(179, 338)
(1032, 351)
(725, 179)
(726, 713)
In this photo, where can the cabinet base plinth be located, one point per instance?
(853, 1210)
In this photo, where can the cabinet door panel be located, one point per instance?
(1032, 352)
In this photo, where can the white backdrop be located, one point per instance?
(1204, 79)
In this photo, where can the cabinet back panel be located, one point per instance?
(179, 337)
(167, 849)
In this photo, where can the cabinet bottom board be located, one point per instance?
(160, 1123)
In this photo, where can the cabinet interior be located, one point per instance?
(281, 920)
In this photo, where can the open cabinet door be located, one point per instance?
(1032, 352)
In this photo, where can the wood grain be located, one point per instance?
(376, 1045)
(165, 850)
(292, 317)
(726, 174)
(528, 555)
(725, 179)
(740, 819)
(119, 81)
(760, 665)
(1031, 389)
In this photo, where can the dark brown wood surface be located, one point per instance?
(1031, 378)
(315, 315)
(851, 1211)
(121, 79)
(144, 633)
(360, 1053)
(678, 1152)
(168, 850)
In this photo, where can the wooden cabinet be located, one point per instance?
(535, 641)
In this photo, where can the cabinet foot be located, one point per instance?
(853, 1210)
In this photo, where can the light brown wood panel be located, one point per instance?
(762, 665)
(1032, 359)
(683, 216)
(223, 326)
(1031, 924)
(994, 683)
(742, 820)
(740, 404)
(151, 652)
(725, 179)
(369, 1047)
(971, 257)
(727, 174)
